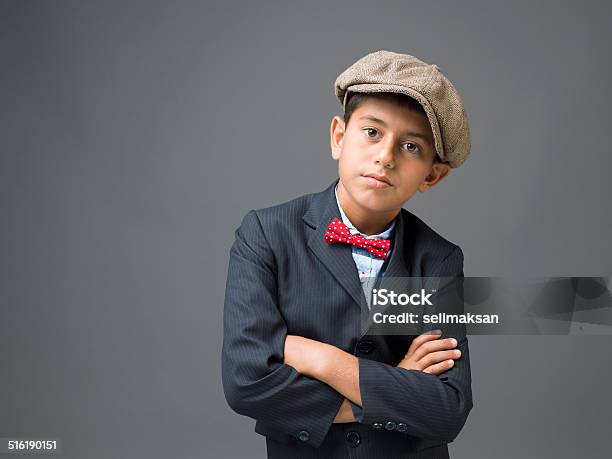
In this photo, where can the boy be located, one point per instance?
(295, 357)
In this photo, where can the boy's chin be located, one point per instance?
(373, 203)
(378, 202)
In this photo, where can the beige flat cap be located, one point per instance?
(386, 71)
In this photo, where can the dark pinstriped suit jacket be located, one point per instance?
(283, 279)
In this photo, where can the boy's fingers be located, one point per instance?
(433, 346)
(421, 339)
(439, 368)
(436, 357)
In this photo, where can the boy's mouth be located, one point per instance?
(377, 181)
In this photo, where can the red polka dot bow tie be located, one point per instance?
(337, 231)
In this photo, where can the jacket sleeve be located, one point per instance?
(256, 382)
(414, 402)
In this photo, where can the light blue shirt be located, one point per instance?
(368, 265)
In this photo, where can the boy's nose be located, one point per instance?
(385, 154)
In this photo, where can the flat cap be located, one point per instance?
(386, 71)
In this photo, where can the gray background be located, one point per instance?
(136, 135)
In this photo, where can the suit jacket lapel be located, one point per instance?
(397, 266)
(337, 258)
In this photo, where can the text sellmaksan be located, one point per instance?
(384, 297)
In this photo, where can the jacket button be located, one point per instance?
(401, 427)
(353, 439)
(390, 425)
(377, 425)
(303, 435)
(365, 346)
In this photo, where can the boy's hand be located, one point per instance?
(430, 354)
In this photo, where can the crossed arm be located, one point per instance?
(340, 370)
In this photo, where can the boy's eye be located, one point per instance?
(371, 132)
(411, 146)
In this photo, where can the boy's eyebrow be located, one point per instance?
(378, 120)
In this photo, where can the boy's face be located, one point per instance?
(389, 141)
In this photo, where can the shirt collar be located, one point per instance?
(386, 234)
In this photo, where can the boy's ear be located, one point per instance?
(437, 173)
(336, 135)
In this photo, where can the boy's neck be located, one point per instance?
(365, 221)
